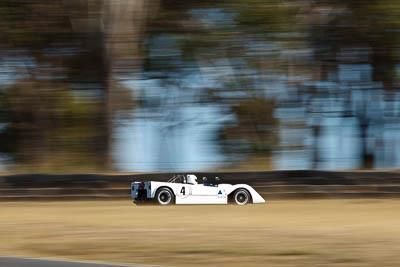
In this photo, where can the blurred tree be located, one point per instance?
(326, 49)
(185, 40)
(254, 130)
(356, 36)
(48, 128)
(60, 108)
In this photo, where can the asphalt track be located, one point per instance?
(33, 262)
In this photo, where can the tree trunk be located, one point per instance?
(124, 25)
(316, 130)
(367, 158)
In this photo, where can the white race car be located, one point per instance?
(182, 189)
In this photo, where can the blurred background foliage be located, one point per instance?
(307, 78)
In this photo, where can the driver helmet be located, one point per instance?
(191, 179)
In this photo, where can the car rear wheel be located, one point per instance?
(241, 197)
(165, 196)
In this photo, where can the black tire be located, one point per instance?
(165, 196)
(241, 197)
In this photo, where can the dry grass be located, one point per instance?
(280, 233)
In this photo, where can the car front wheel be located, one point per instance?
(241, 197)
(165, 196)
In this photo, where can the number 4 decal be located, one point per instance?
(183, 192)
